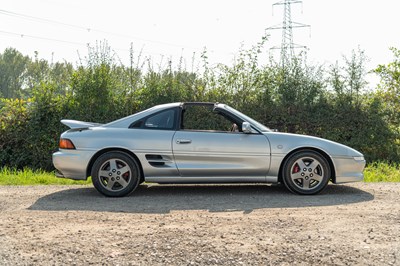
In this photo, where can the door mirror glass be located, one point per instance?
(246, 127)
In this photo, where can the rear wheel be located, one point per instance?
(115, 174)
(306, 172)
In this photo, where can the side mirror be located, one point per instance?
(246, 127)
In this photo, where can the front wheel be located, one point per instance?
(115, 174)
(306, 172)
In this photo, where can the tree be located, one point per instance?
(356, 72)
(40, 70)
(389, 87)
(12, 68)
(348, 81)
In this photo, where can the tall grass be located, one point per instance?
(27, 176)
(382, 172)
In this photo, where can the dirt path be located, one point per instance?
(356, 224)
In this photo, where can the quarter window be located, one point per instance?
(162, 120)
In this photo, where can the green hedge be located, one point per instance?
(300, 99)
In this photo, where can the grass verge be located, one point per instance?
(382, 172)
(34, 177)
(375, 172)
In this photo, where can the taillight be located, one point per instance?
(66, 144)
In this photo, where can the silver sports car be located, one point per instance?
(199, 143)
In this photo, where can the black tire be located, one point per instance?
(306, 172)
(115, 174)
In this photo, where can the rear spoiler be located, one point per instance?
(79, 124)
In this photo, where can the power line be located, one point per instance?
(22, 35)
(92, 30)
(87, 29)
(42, 20)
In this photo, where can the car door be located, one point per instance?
(151, 138)
(207, 152)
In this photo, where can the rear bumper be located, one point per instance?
(348, 169)
(72, 164)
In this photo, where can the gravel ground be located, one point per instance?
(357, 224)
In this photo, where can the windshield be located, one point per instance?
(258, 125)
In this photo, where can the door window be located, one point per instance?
(205, 118)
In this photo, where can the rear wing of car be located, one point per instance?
(79, 124)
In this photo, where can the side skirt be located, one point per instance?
(209, 180)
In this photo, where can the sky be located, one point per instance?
(169, 30)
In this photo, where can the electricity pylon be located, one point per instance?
(287, 47)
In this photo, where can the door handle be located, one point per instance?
(183, 141)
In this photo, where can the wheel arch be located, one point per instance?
(103, 151)
(321, 152)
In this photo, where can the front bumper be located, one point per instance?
(348, 169)
(72, 164)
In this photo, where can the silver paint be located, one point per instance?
(182, 156)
